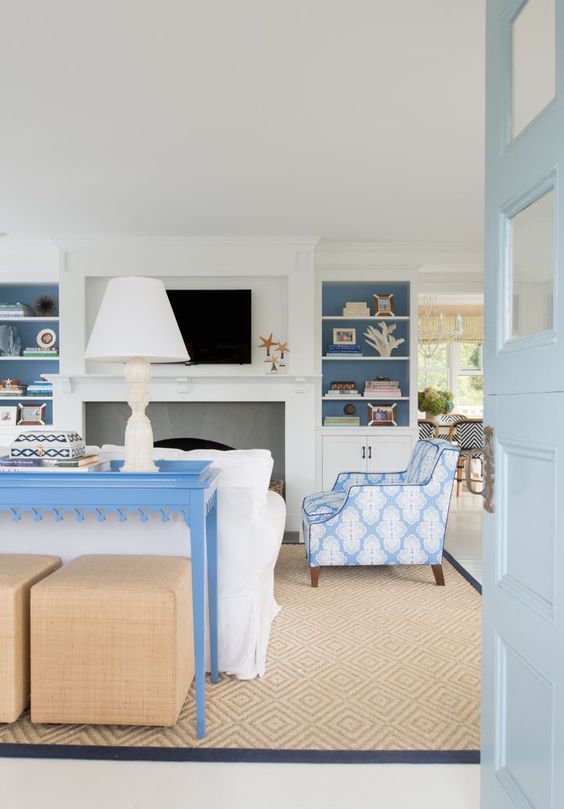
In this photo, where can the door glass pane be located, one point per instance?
(533, 68)
(532, 268)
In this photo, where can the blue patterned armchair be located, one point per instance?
(384, 519)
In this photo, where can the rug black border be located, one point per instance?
(463, 572)
(237, 755)
(246, 755)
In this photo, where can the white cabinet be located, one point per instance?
(365, 452)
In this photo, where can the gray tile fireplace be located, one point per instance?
(242, 425)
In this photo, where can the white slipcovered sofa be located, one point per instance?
(251, 523)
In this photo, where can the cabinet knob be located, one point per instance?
(370, 452)
(363, 453)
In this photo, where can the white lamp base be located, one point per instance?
(138, 433)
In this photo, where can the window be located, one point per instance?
(469, 388)
(456, 367)
(432, 372)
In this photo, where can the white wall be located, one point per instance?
(23, 261)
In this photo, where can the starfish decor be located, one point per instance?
(267, 342)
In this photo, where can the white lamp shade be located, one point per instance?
(135, 319)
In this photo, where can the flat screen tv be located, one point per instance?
(215, 324)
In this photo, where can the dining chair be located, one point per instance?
(469, 436)
(427, 429)
(446, 424)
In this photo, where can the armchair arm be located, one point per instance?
(347, 479)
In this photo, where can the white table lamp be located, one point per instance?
(136, 325)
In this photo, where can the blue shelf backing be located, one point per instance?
(401, 332)
(361, 406)
(13, 402)
(20, 368)
(28, 293)
(334, 297)
(29, 330)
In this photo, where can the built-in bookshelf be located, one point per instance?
(27, 370)
(358, 368)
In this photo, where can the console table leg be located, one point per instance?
(197, 523)
(211, 535)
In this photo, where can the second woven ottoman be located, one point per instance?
(112, 642)
(18, 573)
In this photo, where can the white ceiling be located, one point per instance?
(347, 119)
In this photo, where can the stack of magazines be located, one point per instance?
(41, 352)
(344, 349)
(94, 462)
(15, 310)
(40, 387)
(381, 389)
(341, 421)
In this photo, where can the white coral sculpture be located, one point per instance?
(382, 340)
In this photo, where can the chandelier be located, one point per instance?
(437, 329)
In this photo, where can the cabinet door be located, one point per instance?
(387, 453)
(342, 453)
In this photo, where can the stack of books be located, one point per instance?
(15, 310)
(343, 389)
(87, 463)
(42, 352)
(40, 387)
(381, 389)
(344, 349)
(356, 309)
(12, 388)
(341, 421)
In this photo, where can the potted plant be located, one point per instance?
(435, 403)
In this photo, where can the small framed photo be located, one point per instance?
(344, 337)
(383, 305)
(8, 416)
(31, 414)
(382, 415)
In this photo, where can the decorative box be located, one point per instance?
(62, 444)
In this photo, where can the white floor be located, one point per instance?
(39, 784)
(464, 532)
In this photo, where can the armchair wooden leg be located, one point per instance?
(439, 575)
(314, 573)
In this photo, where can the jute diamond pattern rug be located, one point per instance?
(375, 659)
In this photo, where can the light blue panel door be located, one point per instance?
(523, 685)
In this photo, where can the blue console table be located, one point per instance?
(185, 487)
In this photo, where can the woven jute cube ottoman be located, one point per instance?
(112, 641)
(18, 572)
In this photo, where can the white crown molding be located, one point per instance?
(299, 242)
(327, 245)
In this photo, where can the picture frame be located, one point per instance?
(383, 305)
(8, 416)
(382, 415)
(31, 414)
(345, 336)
